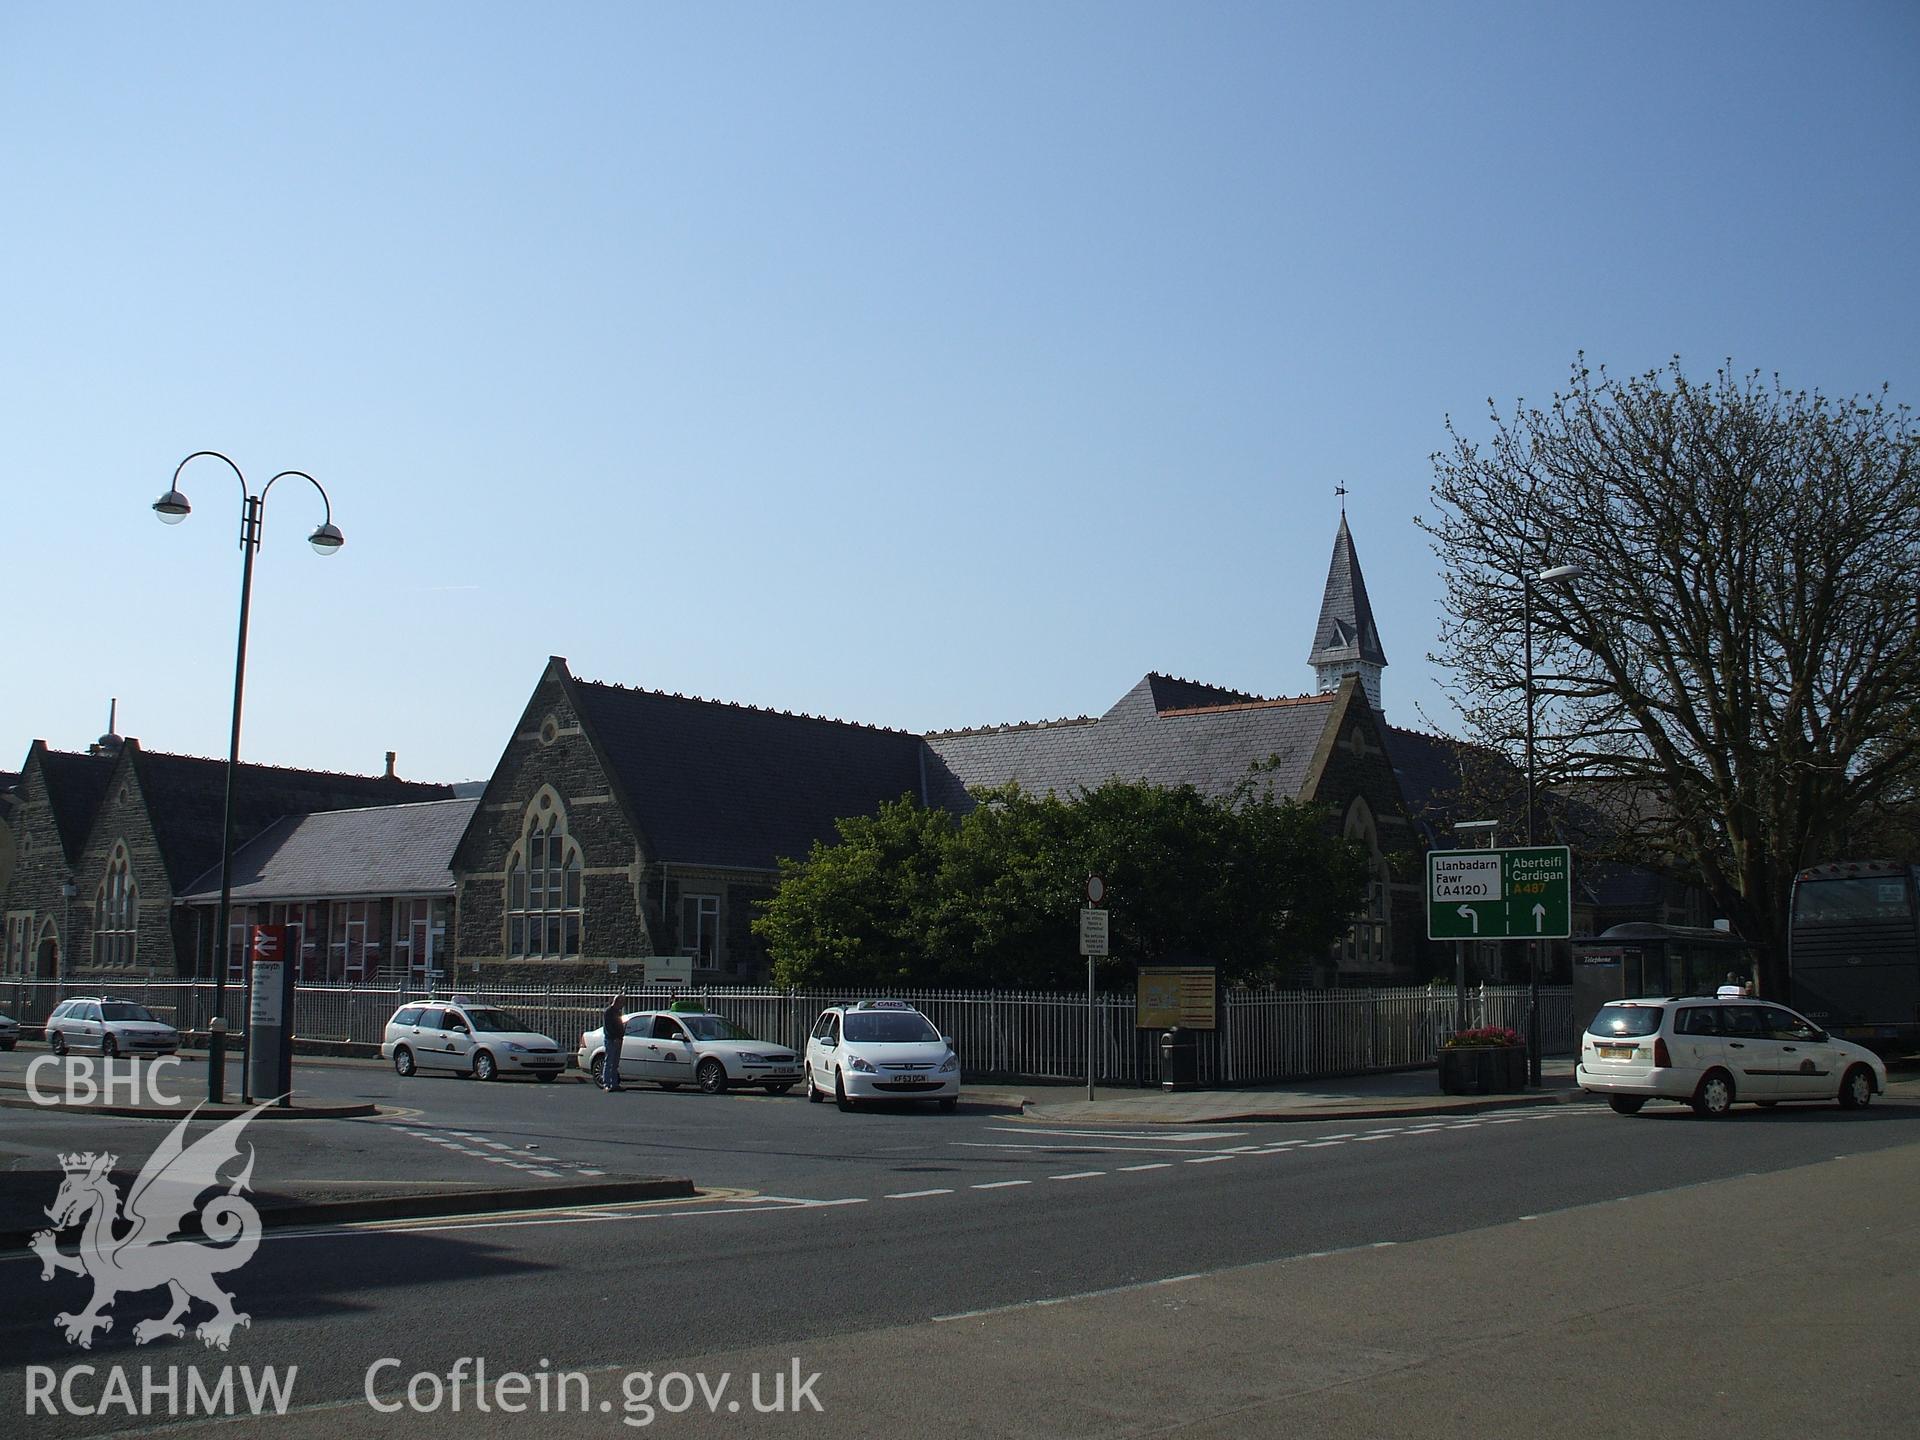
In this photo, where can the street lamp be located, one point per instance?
(172, 508)
(1527, 582)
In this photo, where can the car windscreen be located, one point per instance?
(893, 1027)
(120, 1010)
(712, 1027)
(1626, 1020)
(497, 1021)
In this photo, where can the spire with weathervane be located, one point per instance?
(1346, 641)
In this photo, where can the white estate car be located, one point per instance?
(112, 1027)
(1709, 1052)
(880, 1050)
(463, 1038)
(687, 1046)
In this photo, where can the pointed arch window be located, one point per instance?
(116, 909)
(544, 916)
(1368, 946)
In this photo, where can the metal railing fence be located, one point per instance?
(1263, 1035)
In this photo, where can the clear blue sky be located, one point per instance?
(921, 365)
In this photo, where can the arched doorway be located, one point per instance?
(46, 953)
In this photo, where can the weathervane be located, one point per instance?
(1341, 491)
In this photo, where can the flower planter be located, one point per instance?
(1483, 1069)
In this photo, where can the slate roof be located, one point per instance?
(1346, 630)
(185, 795)
(712, 783)
(343, 854)
(1155, 733)
(76, 784)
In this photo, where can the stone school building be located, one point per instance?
(632, 829)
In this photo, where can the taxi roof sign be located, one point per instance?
(882, 1005)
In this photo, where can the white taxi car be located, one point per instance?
(459, 1037)
(880, 1050)
(112, 1027)
(1709, 1052)
(687, 1045)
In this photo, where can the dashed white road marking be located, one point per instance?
(1182, 1135)
(916, 1194)
(1080, 1175)
(1208, 1159)
(1155, 1165)
(1000, 1184)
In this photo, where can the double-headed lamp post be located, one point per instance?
(172, 508)
(1527, 582)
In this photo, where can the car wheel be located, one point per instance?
(1626, 1104)
(1714, 1098)
(545, 1077)
(712, 1076)
(403, 1062)
(6, 1044)
(840, 1091)
(949, 1104)
(109, 1047)
(484, 1067)
(779, 1089)
(58, 1040)
(1856, 1090)
(813, 1090)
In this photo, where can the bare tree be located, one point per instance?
(1739, 661)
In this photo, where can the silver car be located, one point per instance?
(9, 1032)
(460, 1037)
(681, 1047)
(98, 1023)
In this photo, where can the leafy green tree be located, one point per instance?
(1735, 668)
(914, 897)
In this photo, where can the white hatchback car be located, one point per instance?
(462, 1038)
(112, 1027)
(692, 1047)
(1709, 1052)
(880, 1050)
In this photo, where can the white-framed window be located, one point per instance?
(419, 938)
(116, 911)
(19, 928)
(353, 940)
(544, 914)
(700, 928)
(306, 936)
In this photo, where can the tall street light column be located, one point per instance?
(1527, 581)
(172, 508)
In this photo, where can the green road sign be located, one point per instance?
(1521, 894)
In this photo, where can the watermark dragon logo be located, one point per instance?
(136, 1248)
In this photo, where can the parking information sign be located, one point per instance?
(1523, 894)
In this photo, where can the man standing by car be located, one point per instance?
(613, 1033)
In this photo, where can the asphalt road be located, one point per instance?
(854, 1223)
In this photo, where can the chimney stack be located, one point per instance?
(390, 774)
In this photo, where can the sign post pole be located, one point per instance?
(1093, 941)
(1515, 894)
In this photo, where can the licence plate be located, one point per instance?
(1615, 1052)
(912, 1080)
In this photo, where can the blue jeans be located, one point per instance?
(610, 1065)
